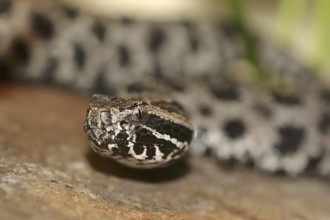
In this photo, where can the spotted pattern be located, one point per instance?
(286, 99)
(205, 110)
(263, 110)
(99, 30)
(123, 55)
(291, 139)
(42, 26)
(184, 61)
(229, 93)
(234, 128)
(21, 51)
(324, 124)
(79, 56)
(70, 12)
(156, 39)
(193, 41)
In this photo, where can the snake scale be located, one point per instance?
(173, 84)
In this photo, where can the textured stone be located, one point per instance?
(47, 171)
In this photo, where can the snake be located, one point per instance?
(165, 88)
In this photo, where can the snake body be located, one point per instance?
(277, 131)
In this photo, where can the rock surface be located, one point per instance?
(47, 171)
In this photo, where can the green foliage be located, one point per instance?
(322, 33)
(290, 14)
(250, 46)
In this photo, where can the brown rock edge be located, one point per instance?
(47, 171)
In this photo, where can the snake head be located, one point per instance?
(135, 132)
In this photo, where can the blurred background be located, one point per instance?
(302, 27)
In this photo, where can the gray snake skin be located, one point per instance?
(276, 130)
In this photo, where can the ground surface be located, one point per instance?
(48, 171)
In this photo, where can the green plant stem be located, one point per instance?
(249, 43)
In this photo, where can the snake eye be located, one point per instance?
(139, 114)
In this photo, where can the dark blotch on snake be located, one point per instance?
(227, 93)
(205, 110)
(21, 51)
(279, 172)
(157, 70)
(139, 88)
(43, 26)
(313, 163)
(234, 128)
(230, 30)
(135, 87)
(124, 56)
(157, 38)
(101, 85)
(286, 99)
(175, 84)
(50, 69)
(79, 56)
(263, 110)
(70, 12)
(324, 124)
(179, 132)
(4, 70)
(99, 30)
(290, 139)
(126, 21)
(193, 40)
(325, 95)
(5, 6)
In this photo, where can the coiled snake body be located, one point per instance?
(188, 61)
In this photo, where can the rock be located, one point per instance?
(48, 171)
